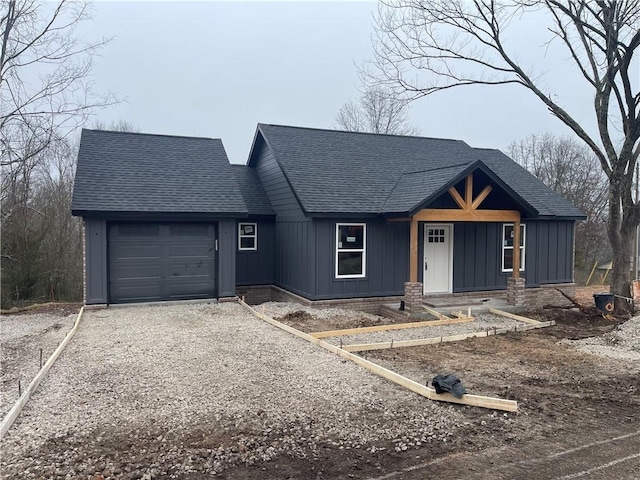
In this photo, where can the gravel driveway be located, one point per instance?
(155, 391)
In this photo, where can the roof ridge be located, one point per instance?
(150, 134)
(439, 168)
(361, 133)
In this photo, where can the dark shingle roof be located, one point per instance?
(252, 190)
(362, 173)
(134, 172)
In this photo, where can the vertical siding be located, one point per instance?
(275, 184)
(227, 258)
(96, 261)
(554, 251)
(257, 267)
(387, 260)
(295, 266)
(477, 257)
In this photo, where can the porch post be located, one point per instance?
(515, 285)
(413, 255)
(413, 288)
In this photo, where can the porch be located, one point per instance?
(431, 247)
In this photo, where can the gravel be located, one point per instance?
(21, 338)
(159, 381)
(482, 323)
(622, 343)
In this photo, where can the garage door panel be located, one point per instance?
(174, 261)
(198, 267)
(137, 272)
(142, 251)
(191, 250)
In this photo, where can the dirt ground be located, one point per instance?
(578, 413)
(577, 418)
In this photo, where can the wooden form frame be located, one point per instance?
(425, 391)
(361, 347)
(11, 416)
(391, 326)
(468, 212)
(513, 316)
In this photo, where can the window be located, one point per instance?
(435, 235)
(351, 244)
(247, 236)
(507, 246)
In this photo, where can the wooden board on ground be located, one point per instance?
(435, 313)
(513, 316)
(361, 347)
(391, 326)
(425, 391)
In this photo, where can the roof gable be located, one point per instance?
(134, 172)
(338, 172)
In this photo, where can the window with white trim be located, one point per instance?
(351, 247)
(508, 232)
(247, 236)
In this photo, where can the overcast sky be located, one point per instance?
(217, 69)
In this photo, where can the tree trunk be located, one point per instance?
(621, 229)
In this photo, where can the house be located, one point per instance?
(316, 215)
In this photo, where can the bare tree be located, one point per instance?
(45, 96)
(116, 126)
(460, 42)
(44, 69)
(570, 168)
(378, 111)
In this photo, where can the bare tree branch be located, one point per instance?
(378, 111)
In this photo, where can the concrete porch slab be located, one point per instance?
(463, 305)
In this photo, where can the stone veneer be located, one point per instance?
(412, 296)
(530, 298)
(516, 291)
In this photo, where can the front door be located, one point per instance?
(437, 258)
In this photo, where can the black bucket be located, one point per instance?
(604, 302)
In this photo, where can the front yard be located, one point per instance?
(193, 390)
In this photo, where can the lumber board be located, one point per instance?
(391, 326)
(423, 390)
(435, 313)
(10, 417)
(361, 347)
(513, 316)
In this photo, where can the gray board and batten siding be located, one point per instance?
(477, 255)
(257, 266)
(306, 242)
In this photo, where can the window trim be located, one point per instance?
(362, 250)
(254, 236)
(506, 247)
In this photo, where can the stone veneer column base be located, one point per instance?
(412, 296)
(515, 291)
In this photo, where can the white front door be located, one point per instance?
(438, 258)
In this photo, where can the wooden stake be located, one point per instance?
(427, 392)
(391, 326)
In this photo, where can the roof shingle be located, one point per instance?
(134, 172)
(335, 171)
